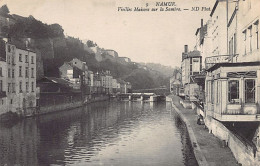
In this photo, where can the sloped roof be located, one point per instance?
(55, 80)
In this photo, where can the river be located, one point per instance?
(104, 133)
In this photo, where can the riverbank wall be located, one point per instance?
(245, 153)
(196, 148)
(53, 103)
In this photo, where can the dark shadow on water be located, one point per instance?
(187, 150)
(81, 133)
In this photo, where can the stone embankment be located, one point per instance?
(208, 149)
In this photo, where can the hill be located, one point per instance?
(53, 48)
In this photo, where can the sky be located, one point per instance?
(157, 37)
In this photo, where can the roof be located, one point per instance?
(20, 45)
(218, 65)
(55, 80)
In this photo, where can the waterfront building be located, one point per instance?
(203, 41)
(3, 77)
(191, 66)
(18, 67)
(106, 81)
(243, 30)
(114, 85)
(97, 83)
(232, 88)
(218, 32)
(175, 83)
(125, 87)
(76, 72)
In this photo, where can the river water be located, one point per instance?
(104, 133)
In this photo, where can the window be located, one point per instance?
(218, 91)
(9, 48)
(13, 87)
(32, 60)
(8, 59)
(32, 72)
(20, 71)
(26, 72)
(21, 86)
(32, 86)
(250, 91)
(1, 85)
(212, 92)
(244, 41)
(9, 87)
(9, 73)
(233, 91)
(13, 73)
(235, 43)
(231, 47)
(20, 58)
(257, 35)
(1, 71)
(27, 86)
(250, 39)
(13, 60)
(26, 58)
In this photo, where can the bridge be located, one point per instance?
(157, 91)
(150, 97)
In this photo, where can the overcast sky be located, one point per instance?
(157, 37)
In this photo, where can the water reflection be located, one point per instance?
(109, 133)
(187, 150)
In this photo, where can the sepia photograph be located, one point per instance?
(129, 83)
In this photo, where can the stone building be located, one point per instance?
(232, 81)
(191, 66)
(19, 78)
(235, 82)
(73, 71)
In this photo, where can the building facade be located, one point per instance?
(18, 79)
(73, 71)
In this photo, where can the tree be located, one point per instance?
(4, 9)
(90, 43)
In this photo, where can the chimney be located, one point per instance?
(185, 48)
(201, 22)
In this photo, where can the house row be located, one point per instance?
(221, 75)
(225, 62)
(17, 79)
(20, 92)
(76, 77)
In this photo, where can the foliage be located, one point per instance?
(4, 10)
(55, 49)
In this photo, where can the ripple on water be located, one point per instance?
(105, 134)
